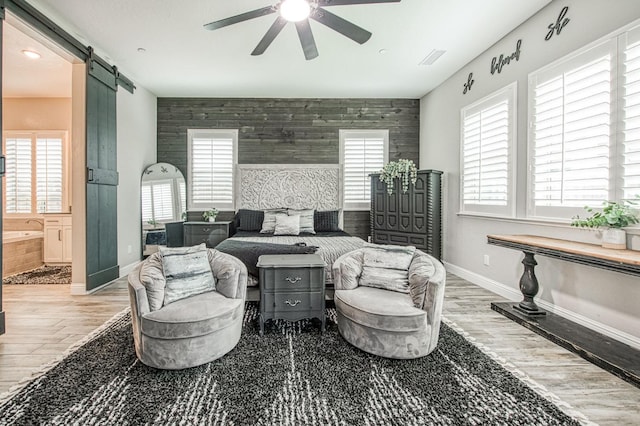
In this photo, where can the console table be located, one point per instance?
(616, 357)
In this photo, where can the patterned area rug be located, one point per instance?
(293, 375)
(43, 275)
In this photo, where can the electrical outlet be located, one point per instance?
(486, 260)
(129, 249)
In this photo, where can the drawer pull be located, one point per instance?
(293, 280)
(290, 303)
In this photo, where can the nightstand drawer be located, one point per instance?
(293, 279)
(294, 301)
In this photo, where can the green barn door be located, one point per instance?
(102, 176)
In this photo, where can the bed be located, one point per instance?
(268, 190)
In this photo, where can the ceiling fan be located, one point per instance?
(299, 12)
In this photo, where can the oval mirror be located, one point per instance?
(163, 205)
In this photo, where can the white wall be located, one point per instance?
(136, 118)
(605, 301)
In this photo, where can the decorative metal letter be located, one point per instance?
(468, 84)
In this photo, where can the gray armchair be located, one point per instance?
(193, 330)
(388, 323)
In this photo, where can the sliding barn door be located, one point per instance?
(102, 177)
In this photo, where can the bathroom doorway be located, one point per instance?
(37, 140)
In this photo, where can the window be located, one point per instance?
(35, 177)
(362, 152)
(212, 157)
(488, 154)
(584, 133)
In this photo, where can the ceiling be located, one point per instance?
(182, 59)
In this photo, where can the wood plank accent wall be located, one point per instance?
(289, 131)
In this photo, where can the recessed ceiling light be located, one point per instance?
(432, 57)
(31, 54)
(295, 10)
(382, 51)
(141, 49)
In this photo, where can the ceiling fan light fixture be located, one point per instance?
(295, 10)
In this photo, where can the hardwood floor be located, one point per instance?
(42, 321)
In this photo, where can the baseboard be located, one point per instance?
(515, 296)
(80, 289)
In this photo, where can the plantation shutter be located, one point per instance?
(162, 201)
(570, 140)
(212, 160)
(363, 153)
(488, 127)
(49, 171)
(631, 117)
(18, 175)
(147, 203)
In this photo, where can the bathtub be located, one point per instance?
(21, 251)
(13, 236)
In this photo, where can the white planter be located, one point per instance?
(211, 219)
(614, 238)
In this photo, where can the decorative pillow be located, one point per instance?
(326, 221)
(250, 220)
(287, 225)
(269, 221)
(187, 272)
(152, 278)
(387, 267)
(306, 219)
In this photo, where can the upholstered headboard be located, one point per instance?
(267, 186)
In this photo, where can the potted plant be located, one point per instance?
(405, 170)
(614, 216)
(210, 215)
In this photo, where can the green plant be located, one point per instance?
(613, 215)
(406, 170)
(212, 212)
(152, 222)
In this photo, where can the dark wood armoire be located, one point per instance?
(409, 218)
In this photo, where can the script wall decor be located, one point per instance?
(468, 84)
(498, 62)
(561, 22)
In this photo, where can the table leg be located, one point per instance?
(261, 325)
(529, 287)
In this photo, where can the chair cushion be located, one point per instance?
(387, 267)
(380, 309)
(193, 316)
(187, 272)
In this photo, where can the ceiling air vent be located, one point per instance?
(432, 57)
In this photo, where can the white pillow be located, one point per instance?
(269, 222)
(287, 225)
(187, 272)
(306, 219)
(387, 267)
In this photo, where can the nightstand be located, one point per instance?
(210, 233)
(291, 287)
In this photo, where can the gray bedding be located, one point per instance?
(330, 245)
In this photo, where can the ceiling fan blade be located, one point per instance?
(271, 34)
(347, 2)
(344, 27)
(306, 39)
(240, 18)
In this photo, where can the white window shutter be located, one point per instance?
(49, 174)
(631, 118)
(212, 161)
(18, 175)
(571, 135)
(362, 153)
(488, 151)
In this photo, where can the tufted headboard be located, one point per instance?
(308, 186)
